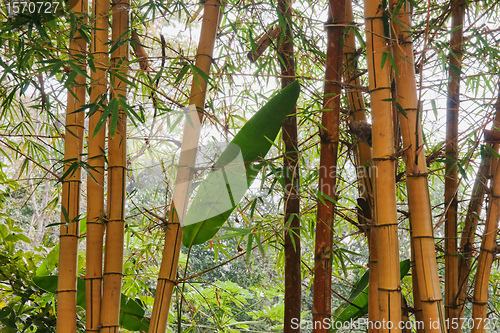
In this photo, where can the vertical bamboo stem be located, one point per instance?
(173, 236)
(96, 159)
(70, 202)
(488, 244)
(472, 216)
(364, 159)
(416, 173)
(486, 257)
(384, 164)
(451, 150)
(293, 293)
(117, 167)
(329, 135)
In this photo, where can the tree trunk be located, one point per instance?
(451, 150)
(329, 135)
(96, 160)
(173, 237)
(291, 166)
(70, 201)
(117, 168)
(386, 226)
(416, 174)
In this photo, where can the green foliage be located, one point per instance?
(23, 306)
(254, 141)
(357, 302)
(131, 313)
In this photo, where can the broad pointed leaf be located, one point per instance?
(235, 169)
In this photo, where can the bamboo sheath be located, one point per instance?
(117, 165)
(384, 162)
(291, 219)
(472, 216)
(363, 158)
(416, 173)
(96, 159)
(329, 135)
(70, 201)
(168, 270)
(451, 150)
(488, 244)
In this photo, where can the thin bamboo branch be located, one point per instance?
(70, 201)
(167, 278)
(329, 135)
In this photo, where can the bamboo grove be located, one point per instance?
(239, 166)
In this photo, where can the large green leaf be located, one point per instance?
(131, 313)
(236, 168)
(358, 298)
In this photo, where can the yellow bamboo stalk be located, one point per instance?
(363, 158)
(451, 150)
(488, 250)
(117, 165)
(474, 210)
(416, 174)
(168, 270)
(417, 304)
(70, 201)
(96, 159)
(384, 163)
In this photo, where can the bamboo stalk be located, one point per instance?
(363, 158)
(473, 212)
(173, 236)
(486, 257)
(70, 201)
(96, 160)
(117, 168)
(291, 219)
(386, 226)
(417, 304)
(451, 151)
(329, 135)
(263, 43)
(416, 175)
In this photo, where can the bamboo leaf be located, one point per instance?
(357, 305)
(254, 141)
(383, 60)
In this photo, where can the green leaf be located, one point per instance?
(358, 298)
(384, 58)
(254, 141)
(131, 313)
